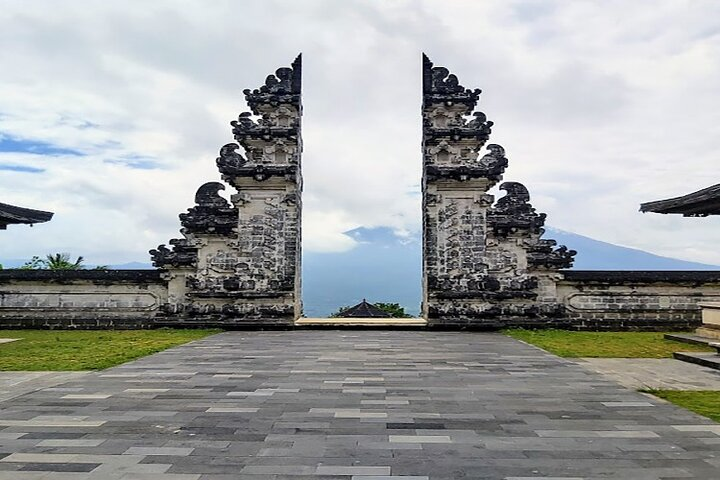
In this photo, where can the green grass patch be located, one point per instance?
(63, 350)
(566, 343)
(703, 402)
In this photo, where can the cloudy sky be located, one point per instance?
(112, 113)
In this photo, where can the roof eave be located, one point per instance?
(697, 204)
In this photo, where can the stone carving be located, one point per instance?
(484, 265)
(238, 263)
(230, 161)
(212, 214)
(543, 254)
(513, 212)
(183, 254)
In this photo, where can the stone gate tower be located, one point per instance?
(484, 265)
(238, 263)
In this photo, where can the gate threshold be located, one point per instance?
(361, 322)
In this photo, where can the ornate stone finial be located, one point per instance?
(212, 214)
(446, 107)
(544, 255)
(517, 196)
(182, 254)
(492, 165)
(230, 161)
(513, 212)
(282, 87)
(272, 140)
(209, 195)
(494, 162)
(441, 86)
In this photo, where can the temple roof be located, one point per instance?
(364, 310)
(10, 214)
(698, 204)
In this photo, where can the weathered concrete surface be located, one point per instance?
(351, 405)
(662, 373)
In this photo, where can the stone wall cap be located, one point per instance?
(710, 305)
(644, 276)
(71, 275)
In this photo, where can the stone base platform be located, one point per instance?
(693, 339)
(712, 333)
(361, 322)
(706, 359)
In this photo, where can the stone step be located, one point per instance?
(361, 322)
(690, 338)
(706, 359)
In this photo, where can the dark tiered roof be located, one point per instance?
(10, 214)
(364, 310)
(698, 204)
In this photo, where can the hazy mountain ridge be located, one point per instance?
(385, 267)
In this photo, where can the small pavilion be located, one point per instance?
(11, 215)
(364, 310)
(702, 203)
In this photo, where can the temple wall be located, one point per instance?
(636, 300)
(131, 299)
(80, 299)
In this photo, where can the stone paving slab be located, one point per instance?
(351, 405)
(13, 384)
(662, 373)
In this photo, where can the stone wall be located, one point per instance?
(592, 300)
(80, 299)
(633, 300)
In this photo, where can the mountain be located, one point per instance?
(385, 267)
(381, 268)
(596, 255)
(133, 266)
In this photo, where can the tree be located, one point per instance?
(339, 312)
(35, 263)
(394, 309)
(58, 261)
(62, 261)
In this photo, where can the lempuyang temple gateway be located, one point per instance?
(236, 264)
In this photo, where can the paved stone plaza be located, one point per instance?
(351, 405)
(660, 373)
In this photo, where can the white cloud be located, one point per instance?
(601, 106)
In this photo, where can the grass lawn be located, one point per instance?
(86, 349)
(703, 402)
(566, 343)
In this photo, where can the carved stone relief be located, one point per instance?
(238, 262)
(484, 264)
